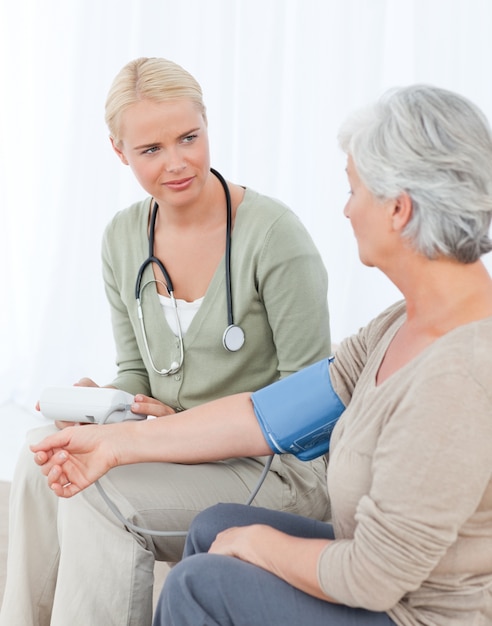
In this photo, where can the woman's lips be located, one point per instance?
(179, 185)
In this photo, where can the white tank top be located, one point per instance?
(186, 312)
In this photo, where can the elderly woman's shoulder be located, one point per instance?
(463, 352)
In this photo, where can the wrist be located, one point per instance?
(125, 442)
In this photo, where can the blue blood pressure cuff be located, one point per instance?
(297, 414)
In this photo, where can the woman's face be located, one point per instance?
(370, 219)
(166, 146)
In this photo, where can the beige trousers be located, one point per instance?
(72, 562)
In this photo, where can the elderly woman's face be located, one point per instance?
(370, 219)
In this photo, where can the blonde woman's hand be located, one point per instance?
(150, 406)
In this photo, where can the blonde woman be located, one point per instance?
(189, 327)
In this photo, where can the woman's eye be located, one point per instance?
(151, 150)
(189, 138)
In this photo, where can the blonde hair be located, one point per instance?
(154, 79)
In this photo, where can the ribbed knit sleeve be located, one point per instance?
(410, 482)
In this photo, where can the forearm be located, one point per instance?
(293, 559)
(76, 457)
(220, 429)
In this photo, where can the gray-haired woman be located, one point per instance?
(410, 467)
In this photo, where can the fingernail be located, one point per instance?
(62, 456)
(135, 406)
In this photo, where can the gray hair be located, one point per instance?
(436, 146)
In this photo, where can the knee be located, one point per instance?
(25, 460)
(202, 531)
(37, 434)
(180, 599)
(180, 579)
(207, 524)
(26, 470)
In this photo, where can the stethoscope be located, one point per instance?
(233, 337)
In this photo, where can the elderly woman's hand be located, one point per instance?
(75, 457)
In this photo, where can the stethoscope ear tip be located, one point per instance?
(173, 369)
(233, 338)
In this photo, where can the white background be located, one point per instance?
(279, 76)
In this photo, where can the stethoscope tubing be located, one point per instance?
(233, 337)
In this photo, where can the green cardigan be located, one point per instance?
(279, 291)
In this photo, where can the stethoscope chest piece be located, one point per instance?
(233, 338)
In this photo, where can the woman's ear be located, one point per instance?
(402, 211)
(118, 151)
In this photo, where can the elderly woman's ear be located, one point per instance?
(402, 211)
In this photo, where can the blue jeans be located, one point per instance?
(212, 590)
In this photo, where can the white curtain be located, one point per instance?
(278, 77)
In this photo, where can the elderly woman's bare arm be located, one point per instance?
(76, 457)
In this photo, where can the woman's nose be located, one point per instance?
(175, 162)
